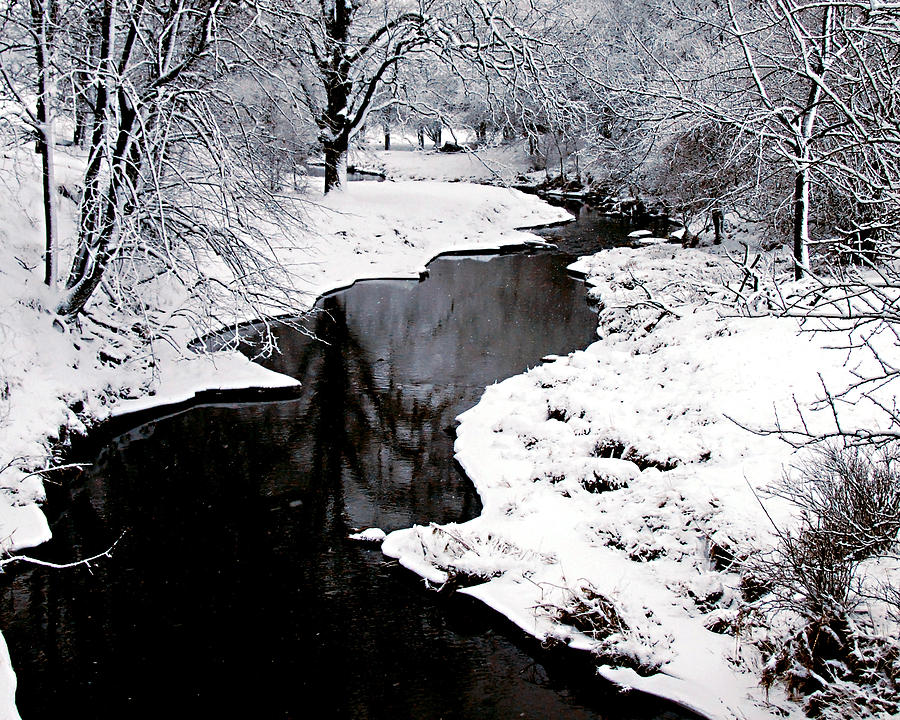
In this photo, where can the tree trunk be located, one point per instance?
(801, 223)
(805, 131)
(82, 134)
(718, 221)
(102, 221)
(336, 164)
(118, 202)
(89, 223)
(48, 173)
(335, 122)
(387, 139)
(421, 137)
(77, 295)
(46, 142)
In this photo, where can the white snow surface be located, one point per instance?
(370, 535)
(650, 240)
(504, 163)
(669, 387)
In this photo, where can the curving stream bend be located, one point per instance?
(235, 591)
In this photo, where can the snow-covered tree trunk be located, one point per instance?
(819, 58)
(81, 132)
(335, 67)
(801, 222)
(48, 173)
(336, 143)
(42, 26)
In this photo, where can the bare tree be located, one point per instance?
(346, 55)
(127, 114)
(25, 30)
(763, 70)
(174, 189)
(341, 53)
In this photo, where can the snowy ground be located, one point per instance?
(498, 164)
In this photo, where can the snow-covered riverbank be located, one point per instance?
(619, 482)
(371, 230)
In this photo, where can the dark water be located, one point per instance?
(593, 230)
(234, 592)
(318, 171)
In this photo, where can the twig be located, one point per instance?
(60, 566)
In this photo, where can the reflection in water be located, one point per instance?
(235, 591)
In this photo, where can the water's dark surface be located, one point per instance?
(592, 229)
(234, 592)
(318, 171)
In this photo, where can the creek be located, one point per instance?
(234, 590)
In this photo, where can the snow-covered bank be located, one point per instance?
(371, 230)
(618, 483)
(488, 164)
(393, 229)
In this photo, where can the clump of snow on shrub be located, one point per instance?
(637, 642)
(466, 556)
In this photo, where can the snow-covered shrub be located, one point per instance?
(844, 673)
(612, 448)
(866, 686)
(856, 497)
(618, 641)
(470, 558)
(848, 510)
(848, 506)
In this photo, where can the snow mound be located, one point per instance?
(370, 535)
(650, 240)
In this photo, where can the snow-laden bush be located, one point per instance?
(468, 558)
(633, 642)
(855, 498)
(848, 511)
